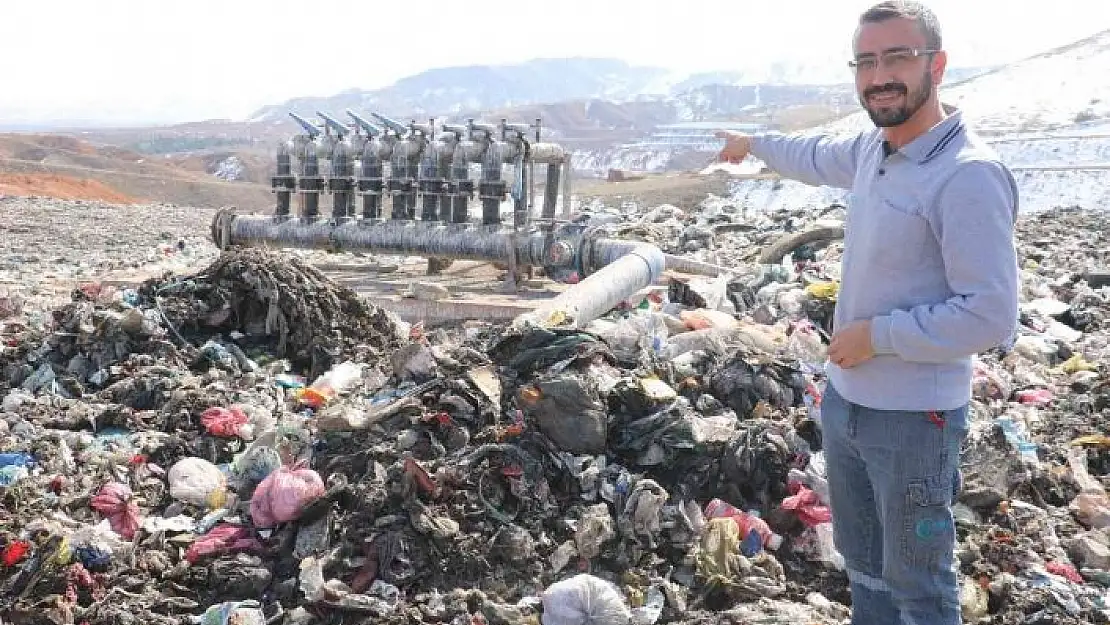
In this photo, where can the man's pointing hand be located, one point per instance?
(737, 146)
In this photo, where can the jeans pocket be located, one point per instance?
(928, 532)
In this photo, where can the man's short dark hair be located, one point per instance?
(907, 9)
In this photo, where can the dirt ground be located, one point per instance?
(684, 190)
(68, 168)
(62, 187)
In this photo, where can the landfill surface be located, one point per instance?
(236, 439)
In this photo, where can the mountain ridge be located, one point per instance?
(448, 91)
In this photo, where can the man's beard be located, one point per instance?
(886, 117)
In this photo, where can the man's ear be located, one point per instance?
(940, 62)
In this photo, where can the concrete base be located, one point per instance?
(475, 290)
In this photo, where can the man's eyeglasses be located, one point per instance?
(890, 59)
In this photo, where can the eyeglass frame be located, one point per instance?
(878, 59)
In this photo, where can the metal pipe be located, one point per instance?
(625, 272)
(426, 185)
(341, 181)
(403, 175)
(411, 238)
(445, 156)
(461, 187)
(567, 171)
(614, 269)
(283, 183)
(310, 183)
(435, 168)
(548, 153)
(682, 264)
(371, 179)
(551, 190)
(472, 149)
(492, 186)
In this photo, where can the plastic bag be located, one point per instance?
(1092, 505)
(702, 318)
(748, 523)
(114, 502)
(198, 482)
(247, 612)
(630, 336)
(584, 600)
(826, 546)
(224, 538)
(336, 381)
(284, 494)
(224, 422)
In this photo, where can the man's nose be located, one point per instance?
(880, 75)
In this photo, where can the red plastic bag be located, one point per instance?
(114, 502)
(284, 495)
(14, 552)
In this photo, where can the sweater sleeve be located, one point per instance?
(819, 160)
(973, 221)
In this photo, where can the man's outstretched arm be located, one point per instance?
(819, 160)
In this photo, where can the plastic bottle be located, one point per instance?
(338, 379)
(746, 521)
(1016, 436)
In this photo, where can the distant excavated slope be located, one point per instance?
(67, 167)
(62, 187)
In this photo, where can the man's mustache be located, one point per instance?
(890, 87)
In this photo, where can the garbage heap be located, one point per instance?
(255, 444)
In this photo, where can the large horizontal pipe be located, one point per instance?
(631, 270)
(547, 153)
(418, 238)
(403, 237)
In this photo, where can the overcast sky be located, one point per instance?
(161, 61)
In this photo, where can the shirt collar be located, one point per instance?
(933, 142)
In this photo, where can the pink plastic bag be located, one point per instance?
(284, 494)
(114, 502)
(1036, 397)
(224, 421)
(224, 538)
(807, 505)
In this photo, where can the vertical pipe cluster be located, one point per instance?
(283, 182)
(417, 171)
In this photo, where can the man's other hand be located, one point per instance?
(851, 345)
(737, 146)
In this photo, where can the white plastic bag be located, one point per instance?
(198, 482)
(584, 600)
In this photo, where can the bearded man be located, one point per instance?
(929, 278)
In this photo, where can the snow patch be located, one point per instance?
(230, 168)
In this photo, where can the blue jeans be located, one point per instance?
(892, 478)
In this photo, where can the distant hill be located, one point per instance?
(456, 90)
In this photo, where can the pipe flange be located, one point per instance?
(221, 227)
(584, 260)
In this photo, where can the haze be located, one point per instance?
(133, 62)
